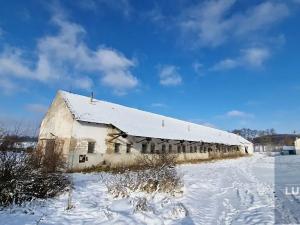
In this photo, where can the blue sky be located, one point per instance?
(228, 64)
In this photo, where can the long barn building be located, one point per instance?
(91, 132)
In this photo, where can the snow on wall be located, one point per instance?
(140, 123)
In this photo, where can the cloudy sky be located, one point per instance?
(228, 64)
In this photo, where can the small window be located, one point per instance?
(81, 158)
(144, 148)
(152, 148)
(117, 147)
(246, 150)
(170, 148)
(178, 148)
(183, 148)
(195, 148)
(163, 148)
(191, 149)
(128, 148)
(91, 147)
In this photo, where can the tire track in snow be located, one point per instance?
(254, 198)
(233, 192)
(201, 194)
(227, 192)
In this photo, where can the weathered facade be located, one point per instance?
(297, 146)
(92, 132)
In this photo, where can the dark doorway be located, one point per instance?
(50, 146)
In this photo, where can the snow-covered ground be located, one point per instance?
(238, 191)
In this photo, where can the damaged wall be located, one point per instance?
(57, 124)
(82, 134)
(76, 137)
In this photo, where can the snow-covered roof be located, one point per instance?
(144, 124)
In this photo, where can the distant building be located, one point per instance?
(288, 150)
(93, 132)
(276, 143)
(273, 148)
(297, 146)
(25, 145)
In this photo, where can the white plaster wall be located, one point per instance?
(57, 123)
(91, 132)
(250, 148)
(297, 143)
(58, 120)
(297, 146)
(83, 133)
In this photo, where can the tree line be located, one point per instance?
(250, 134)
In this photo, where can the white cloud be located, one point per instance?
(205, 21)
(226, 64)
(169, 75)
(65, 55)
(212, 23)
(261, 17)
(8, 87)
(198, 68)
(13, 64)
(36, 108)
(254, 57)
(239, 114)
(156, 16)
(120, 80)
(122, 6)
(158, 105)
(83, 83)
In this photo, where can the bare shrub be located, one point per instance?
(160, 174)
(20, 181)
(178, 211)
(13, 168)
(222, 155)
(165, 180)
(24, 176)
(156, 174)
(8, 142)
(49, 160)
(150, 161)
(140, 204)
(36, 157)
(119, 185)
